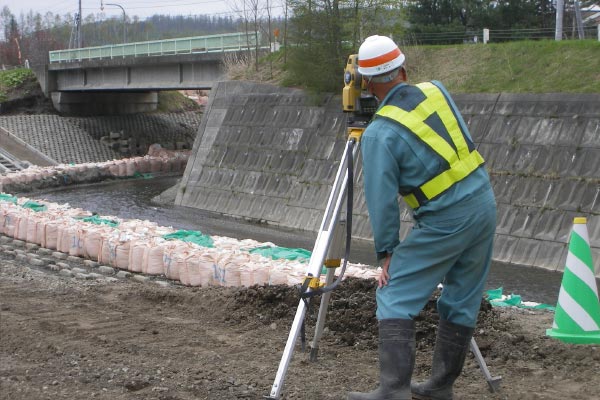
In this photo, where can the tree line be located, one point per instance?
(317, 35)
(31, 36)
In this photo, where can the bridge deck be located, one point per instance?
(189, 45)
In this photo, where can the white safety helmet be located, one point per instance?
(379, 55)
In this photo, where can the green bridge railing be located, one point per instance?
(188, 45)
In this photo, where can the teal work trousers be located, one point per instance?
(452, 246)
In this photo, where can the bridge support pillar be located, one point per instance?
(104, 103)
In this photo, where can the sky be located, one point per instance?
(141, 8)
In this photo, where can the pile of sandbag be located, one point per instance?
(145, 247)
(158, 160)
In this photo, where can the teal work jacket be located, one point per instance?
(416, 162)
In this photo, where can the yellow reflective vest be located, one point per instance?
(461, 157)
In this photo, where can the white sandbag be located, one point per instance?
(174, 256)
(261, 269)
(10, 222)
(3, 213)
(32, 228)
(113, 169)
(21, 225)
(60, 230)
(40, 231)
(155, 164)
(228, 269)
(153, 263)
(122, 167)
(47, 173)
(247, 274)
(176, 164)
(154, 149)
(130, 167)
(92, 241)
(247, 244)
(279, 274)
(201, 268)
(105, 255)
(362, 271)
(166, 166)
(18, 178)
(122, 247)
(51, 235)
(104, 167)
(28, 177)
(296, 275)
(137, 250)
(142, 165)
(76, 248)
(68, 239)
(227, 243)
(184, 275)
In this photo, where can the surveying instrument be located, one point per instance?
(327, 250)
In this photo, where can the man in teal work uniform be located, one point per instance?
(418, 146)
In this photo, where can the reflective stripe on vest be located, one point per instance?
(462, 162)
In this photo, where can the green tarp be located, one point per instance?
(95, 219)
(147, 175)
(8, 198)
(497, 299)
(277, 253)
(34, 206)
(191, 236)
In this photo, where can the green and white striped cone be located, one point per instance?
(577, 317)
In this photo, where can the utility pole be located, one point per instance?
(579, 20)
(560, 7)
(79, 38)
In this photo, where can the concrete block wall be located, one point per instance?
(62, 142)
(166, 129)
(77, 139)
(270, 154)
(265, 153)
(543, 153)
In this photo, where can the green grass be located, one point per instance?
(515, 67)
(174, 101)
(12, 80)
(541, 66)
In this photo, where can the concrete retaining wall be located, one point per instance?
(265, 153)
(544, 155)
(77, 139)
(270, 154)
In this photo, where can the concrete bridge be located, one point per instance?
(125, 78)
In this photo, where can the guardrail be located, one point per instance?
(189, 45)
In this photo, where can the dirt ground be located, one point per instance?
(68, 338)
(27, 99)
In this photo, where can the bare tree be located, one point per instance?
(286, 8)
(9, 49)
(250, 11)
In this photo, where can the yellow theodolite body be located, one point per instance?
(355, 100)
(353, 85)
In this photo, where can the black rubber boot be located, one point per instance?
(396, 361)
(451, 347)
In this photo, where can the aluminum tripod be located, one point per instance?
(327, 251)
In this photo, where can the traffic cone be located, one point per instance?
(577, 316)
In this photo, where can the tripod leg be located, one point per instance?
(334, 257)
(493, 381)
(324, 238)
(314, 346)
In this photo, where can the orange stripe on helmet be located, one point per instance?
(382, 59)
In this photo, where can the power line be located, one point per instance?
(174, 4)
